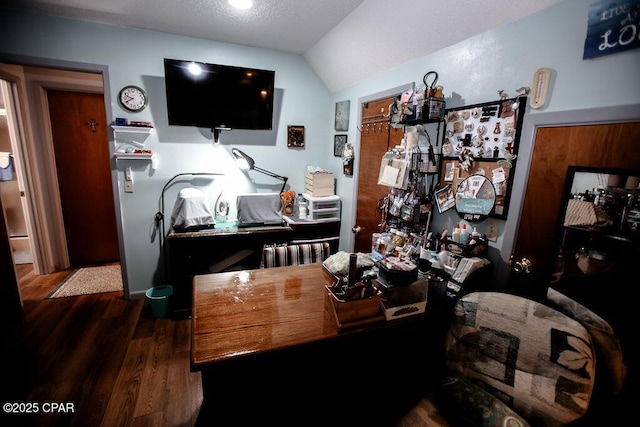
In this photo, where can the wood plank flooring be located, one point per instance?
(105, 358)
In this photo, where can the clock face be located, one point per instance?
(133, 98)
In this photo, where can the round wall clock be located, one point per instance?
(133, 98)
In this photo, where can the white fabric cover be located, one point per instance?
(191, 210)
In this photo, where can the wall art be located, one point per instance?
(339, 142)
(483, 139)
(342, 116)
(295, 136)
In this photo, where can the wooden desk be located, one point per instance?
(212, 251)
(260, 331)
(243, 312)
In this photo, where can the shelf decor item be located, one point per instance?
(339, 142)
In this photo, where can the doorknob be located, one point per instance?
(523, 266)
(356, 229)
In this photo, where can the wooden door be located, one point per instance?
(79, 129)
(556, 148)
(376, 138)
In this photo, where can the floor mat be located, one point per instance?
(90, 280)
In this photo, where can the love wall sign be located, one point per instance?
(612, 27)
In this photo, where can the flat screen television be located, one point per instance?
(213, 95)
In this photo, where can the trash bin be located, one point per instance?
(158, 297)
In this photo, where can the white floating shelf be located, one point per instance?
(133, 156)
(132, 129)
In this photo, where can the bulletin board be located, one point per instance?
(500, 177)
(483, 139)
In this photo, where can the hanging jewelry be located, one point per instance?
(507, 162)
(466, 160)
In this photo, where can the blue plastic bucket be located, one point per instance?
(158, 298)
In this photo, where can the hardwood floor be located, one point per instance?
(105, 358)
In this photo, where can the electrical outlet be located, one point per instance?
(128, 186)
(491, 229)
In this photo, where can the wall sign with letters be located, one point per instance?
(612, 27)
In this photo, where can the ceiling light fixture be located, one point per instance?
(241, 4)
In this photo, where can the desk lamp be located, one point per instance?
(245, 162)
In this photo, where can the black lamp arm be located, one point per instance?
(274, 175)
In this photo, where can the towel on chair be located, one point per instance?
(7, 168)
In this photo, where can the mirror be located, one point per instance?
(599, 223)
(475, 198)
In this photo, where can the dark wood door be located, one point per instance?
(556, 148)
(79, 128)
(377, 137)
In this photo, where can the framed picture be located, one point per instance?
(449, 172)
(342, 116)
(338, 144)
(295, 136)
(445, 198)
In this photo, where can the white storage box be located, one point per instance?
(327, 207)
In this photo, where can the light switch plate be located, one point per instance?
(128, 186)
(491, 229)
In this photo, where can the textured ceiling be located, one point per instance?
(345, 41)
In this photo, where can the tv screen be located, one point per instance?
(212, 95)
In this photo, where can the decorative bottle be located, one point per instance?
(455, 236)
(464, 234)
(302, 207)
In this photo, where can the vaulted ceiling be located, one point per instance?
(345, 41)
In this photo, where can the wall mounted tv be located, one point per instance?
(212, 95)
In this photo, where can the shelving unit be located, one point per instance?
(423, 177)
(133, 156)
(132, 129)
(139, 130)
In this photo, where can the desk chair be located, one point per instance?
(296, 254)
(512, 361)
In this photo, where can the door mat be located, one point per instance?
(90, 280)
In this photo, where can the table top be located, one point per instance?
(240, 313)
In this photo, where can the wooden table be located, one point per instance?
(252, 311)
(216, 250)
(266, 337)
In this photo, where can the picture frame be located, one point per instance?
(445, 198)
(339, 142)
(450, 171)
(342, 116)
(295, 136)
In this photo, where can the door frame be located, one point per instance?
(49, 241)
(350, 237)
(530, 126)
